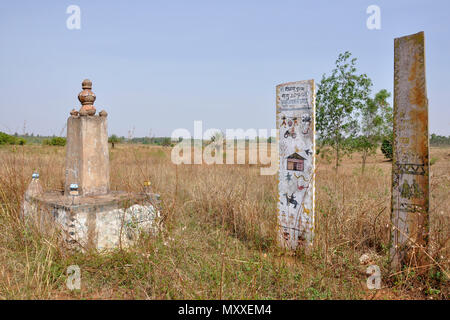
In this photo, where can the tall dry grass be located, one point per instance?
(220, 233)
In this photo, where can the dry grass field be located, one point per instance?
(219, 238)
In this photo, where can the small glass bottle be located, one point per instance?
(34, 188)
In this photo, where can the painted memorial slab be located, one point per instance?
(410, 170)
(296, 123)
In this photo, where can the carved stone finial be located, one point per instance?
(103, 113)
(86, 84)
(87, 98)
(74, 113)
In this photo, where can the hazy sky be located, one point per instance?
(160, 65)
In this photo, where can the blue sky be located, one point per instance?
(160, 65)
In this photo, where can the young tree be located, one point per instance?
(339, 96)
(376, 124)
(113, 139)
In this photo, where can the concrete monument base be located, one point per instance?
(89, 214)
(102, 222)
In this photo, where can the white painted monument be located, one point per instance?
(296, 124)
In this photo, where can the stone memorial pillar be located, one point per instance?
(296, 123)
(410, 168)
(87, 157)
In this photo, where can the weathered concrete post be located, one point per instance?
(410, 169)
(296, 123)
(87, 157)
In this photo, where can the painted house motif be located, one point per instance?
(295, 162)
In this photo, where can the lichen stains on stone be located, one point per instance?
(417, 94)
(418, 38)
(410, 147)
(413, 71)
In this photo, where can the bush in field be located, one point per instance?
(386, 148)
(8, 139)
(166, 142)
(55, 141)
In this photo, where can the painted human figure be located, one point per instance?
(306, 122)
(283, 124)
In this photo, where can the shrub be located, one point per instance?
(386, 148)
(7, 139)
(166, 142)
(55, 141)
(433, 160)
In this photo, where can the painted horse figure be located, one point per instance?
(291, 199)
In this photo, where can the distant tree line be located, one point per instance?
(435, 141)
(159, 141)
(438, 141)
(6, 139)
